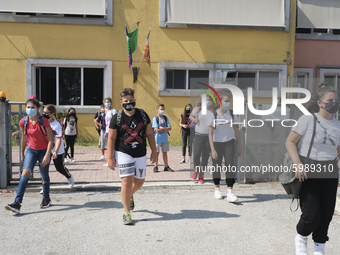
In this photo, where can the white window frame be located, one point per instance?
(60, 19)
(32, 64)
(309, 73)
(335, 72)
(163, 66)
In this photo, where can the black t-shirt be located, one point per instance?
(131, 138)
(188, 121)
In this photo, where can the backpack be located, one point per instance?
(157, 120)
(119, 117)
(231, 113)
(41, 125)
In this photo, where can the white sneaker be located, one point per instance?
(106, 164)
(231, 197)
(71, 181)
(218, 194)
(301, 245)
(72, 160)
(65, 160)
(102, 157)
(41, 191)
(189, 160)
(182, 161)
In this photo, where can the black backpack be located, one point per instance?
(157, 120)
(231, 113)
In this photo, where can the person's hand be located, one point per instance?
(185, 126)
(214, 154)
(22, 158)
(45, 161)
(196, 120)
(240, 152)
(300, 172)
(54, 155)
(153, 157)
(112, 164)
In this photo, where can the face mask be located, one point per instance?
(108, 105)
(332, 107)
(129, 106)
(188, 111)
(162, 112)
(31, 112)
(226, 105)
(208, 103)
(46, 116)
(72, 114)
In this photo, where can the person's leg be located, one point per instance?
(165, 159)
(327, 206)
(60, 166)
(72, 141)
(189, 143)
(67, 141)
(140, 173)
(156, 161)
(219, 147)
(44, 173)
(205, 154)
(31, 158)
(198, 148)
(229, 153)
(126, 191)
(102, 138)
(184, 142)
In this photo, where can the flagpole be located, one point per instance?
(137, 40)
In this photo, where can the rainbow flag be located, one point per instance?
(146, 50)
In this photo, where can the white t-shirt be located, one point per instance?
(224, 131)
(326, 141)
(58, 132)
(108, 117)
(202, 127)
(71, 126)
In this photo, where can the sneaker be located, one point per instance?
(189, 160)
(15, 207)
(106, 164)
(155, 169)
(65, 160)
(194, 176)
(182, 161)
(46, 202)
(41, 191)
(200, 180)
(319, 249)
(168, 169)
(231, 197)
(102, 157)
(132, 203)
(301, 245)
(218, 194)
(127, 220)
(72, 160)
(71, 181)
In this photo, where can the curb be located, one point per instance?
(337, 205)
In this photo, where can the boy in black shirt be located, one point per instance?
(127, 145)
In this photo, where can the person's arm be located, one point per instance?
(47, 156)
(111, 142)
(238, 138)
(211, 142)
(97, 123)
(151, 137)
(291, 142)
(181, 124)
(193, 118)
(338, 149)
(56, 148)
(23, 144)
(77, 129)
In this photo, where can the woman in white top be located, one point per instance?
(222, 135)
(319, 186)
(58, 150)
(201, 144)
(71, 132)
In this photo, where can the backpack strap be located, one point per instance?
(145, 120)
(42, 126)
(25, 124)
(215, 115)
(119, 118)
(232, 114)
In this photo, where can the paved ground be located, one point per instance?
(182, 220)
(89, 169)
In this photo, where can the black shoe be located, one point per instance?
(46, 202)
(155, 169)
(168, 169)
(132, 203)
(15, 207)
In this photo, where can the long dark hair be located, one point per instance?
(184, 114)
(323, 88)
(68, 113)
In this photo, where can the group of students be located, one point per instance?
(130, 127)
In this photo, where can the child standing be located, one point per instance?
(100, 121)
(161, 126)
(71, 132)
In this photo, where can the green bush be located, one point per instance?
(15, 128)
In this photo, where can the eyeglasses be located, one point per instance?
(46, 112)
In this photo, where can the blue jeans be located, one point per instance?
(102, 138)
(31, 158)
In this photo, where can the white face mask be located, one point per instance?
(162, 112)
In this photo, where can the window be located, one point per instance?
(258, 80)
(73, 86)
(185, 79)
(91, 12)
(301, 81)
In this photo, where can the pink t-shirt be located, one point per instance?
(36, 140)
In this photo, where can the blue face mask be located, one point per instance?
(162, 112)
(226, 105)
(107, 105)
(332, 107)
(31, 112)
(208, 103)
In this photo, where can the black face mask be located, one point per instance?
(46, 116)
(72, 114)
(332, 107)
(188, 111)
(129, 106)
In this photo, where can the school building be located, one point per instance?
(74, 52)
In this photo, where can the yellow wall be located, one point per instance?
(20, 41)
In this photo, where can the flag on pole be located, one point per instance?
(132, 43)
(146, 50)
